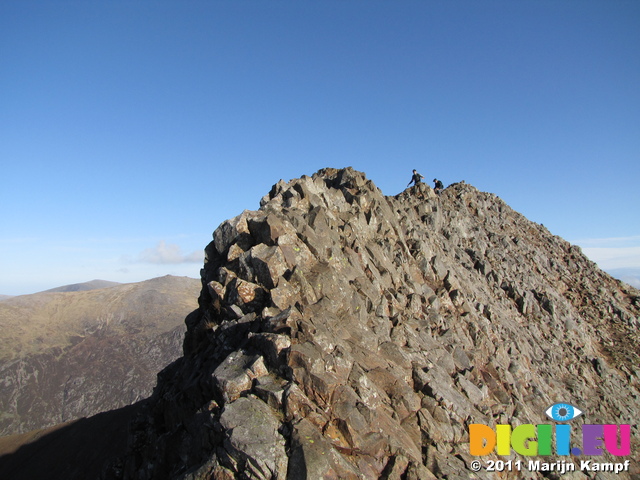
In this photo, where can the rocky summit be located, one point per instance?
(345, 334)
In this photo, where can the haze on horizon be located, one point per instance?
(130, 130)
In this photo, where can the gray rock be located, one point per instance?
(253, 441)
(367, 332)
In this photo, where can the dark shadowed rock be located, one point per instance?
(74, 450)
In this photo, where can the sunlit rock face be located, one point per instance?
(345, 334)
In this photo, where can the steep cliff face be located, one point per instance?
(345, 334)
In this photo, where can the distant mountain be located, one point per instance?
(74, 287)
(81, 287)
(65, 355)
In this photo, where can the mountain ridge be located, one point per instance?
(345, 334)
(341, 333)
(79, 287)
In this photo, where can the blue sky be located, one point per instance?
(130, 130)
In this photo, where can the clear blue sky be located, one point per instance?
(130, 129)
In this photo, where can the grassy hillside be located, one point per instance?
(36, 323)
(69, 355)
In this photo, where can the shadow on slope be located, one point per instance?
(75, 450)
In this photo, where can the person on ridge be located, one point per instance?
(438, 186)
(416, 178)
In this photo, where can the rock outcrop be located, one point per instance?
(345, 334)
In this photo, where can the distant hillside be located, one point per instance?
(81, 287)
(74, 354)
(4, 297)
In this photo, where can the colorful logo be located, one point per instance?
(529, 440)
(563, 412)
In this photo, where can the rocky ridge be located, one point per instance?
(344, 334)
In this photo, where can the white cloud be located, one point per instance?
(168, 253)
(609, 258)
(612, 242)
(618, 256)
(628, 275)
(613, 253)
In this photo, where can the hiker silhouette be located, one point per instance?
(416, 178)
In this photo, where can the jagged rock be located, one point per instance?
(253, 446)
(314, 456)
(236, 373)
(345, 334)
